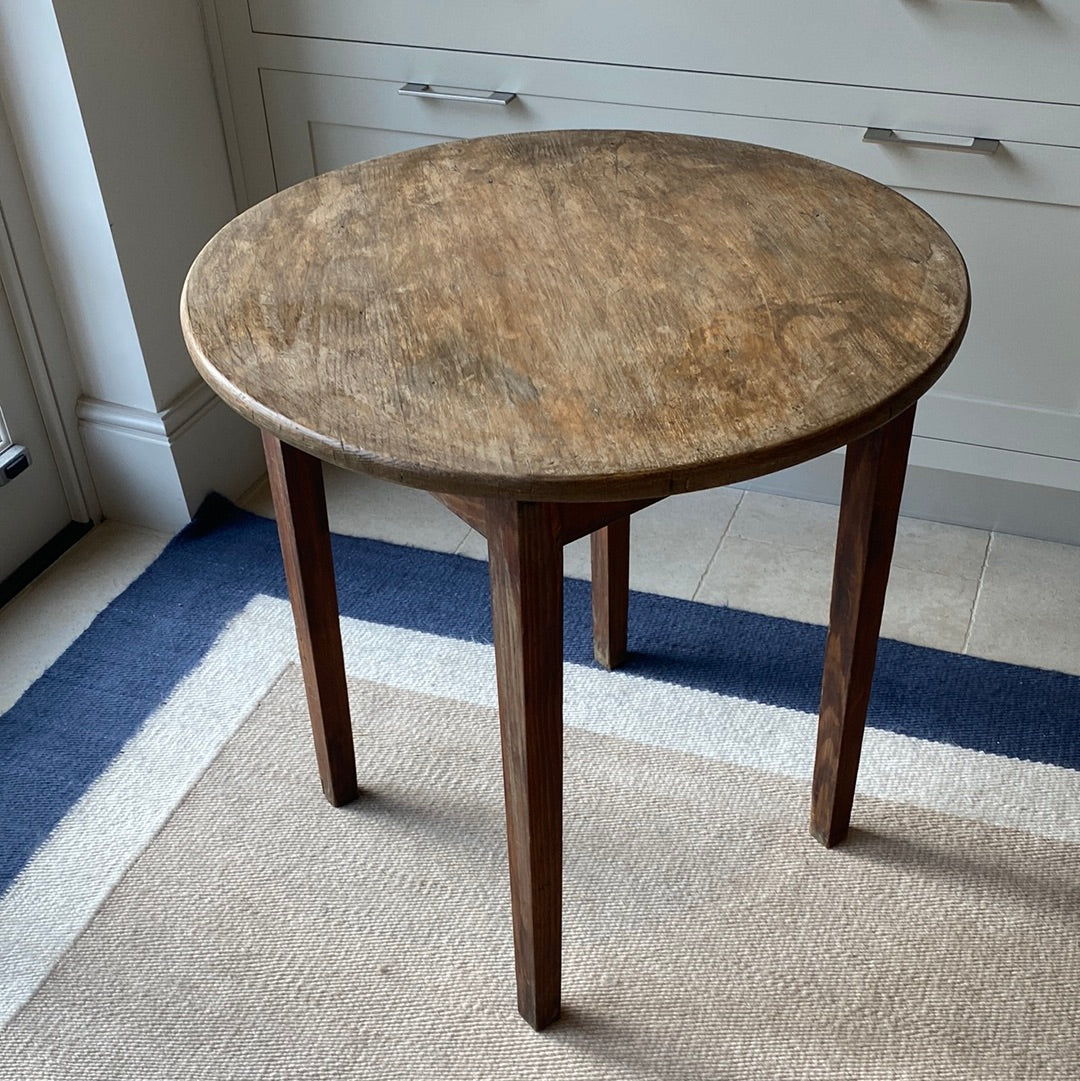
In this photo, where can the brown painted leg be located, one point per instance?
(610, 591)
(525, 556)
(300, 505)
(873, 483)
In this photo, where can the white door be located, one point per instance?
(33, 506)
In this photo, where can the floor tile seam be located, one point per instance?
(951, 576)
(112, 524)
(716, 551)
(978, 591)
(461, 543)
(830, 553)
(734, 531)
(773, 543)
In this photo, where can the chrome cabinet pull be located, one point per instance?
(423, 90)
(945, 142)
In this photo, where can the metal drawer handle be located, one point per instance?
(423, 90)
(945, 142)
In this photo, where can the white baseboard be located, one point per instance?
(154, 469)
(959, 484)
(217, 451)
(131, 460)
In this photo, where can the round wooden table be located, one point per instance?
(550, 331)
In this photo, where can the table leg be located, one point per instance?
(610, 591)
(300, 506)
(873, 483)
(525, 557)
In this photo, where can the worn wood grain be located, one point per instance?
(576, 315)
(580, 519)
(550, 331)
(525, 557)
(470, 509)
(873, 483)
(610, 556)
(296, 484)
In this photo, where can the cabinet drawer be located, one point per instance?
(1019, 49)
(319, 122)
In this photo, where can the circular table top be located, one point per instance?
(580, 315)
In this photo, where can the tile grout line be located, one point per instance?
(716, 551)
(978, 592)
(461, 543)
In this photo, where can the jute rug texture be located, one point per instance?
(264, 934)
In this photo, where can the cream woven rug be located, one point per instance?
(263, 934)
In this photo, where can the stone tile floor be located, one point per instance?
(993, 595)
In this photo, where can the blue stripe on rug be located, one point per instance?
(74, 720)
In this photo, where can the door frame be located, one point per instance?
(40, 328)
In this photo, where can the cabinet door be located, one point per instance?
(322, 122)
(1015, 385)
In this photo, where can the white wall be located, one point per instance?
(115, 120)
(142, 75)
(74, 227)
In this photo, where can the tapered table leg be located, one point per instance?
(873, 483)
(300, 506)
(610, 591)
(525, 556)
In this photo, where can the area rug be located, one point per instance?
(180, 901)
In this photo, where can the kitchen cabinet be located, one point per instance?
(971, 108)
